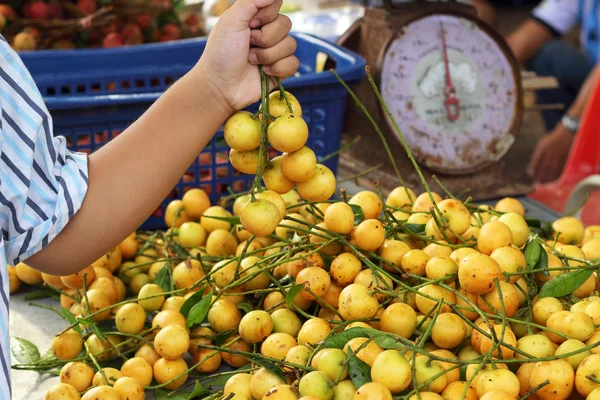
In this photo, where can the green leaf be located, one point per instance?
(388, 341)
(565, 284)
(24, 351)
(292, 293)
(181, 251)
(537, 231)
(168, 17)
(547, 229)
(221, 337)
(48, 355)
(245, 307)
(533, 222)
(269, 366)
(108, 325)
(359, 215)
(327, 260)
(40, 294)
(163, 278)
(179, 5)
(68, 315)
(543, 263)
(359, 371)
(198, 313)
(92, 326)
(385, 340)
(415, 228)
(191, 302)
(532, 253)
(339, 340)
(198, 391)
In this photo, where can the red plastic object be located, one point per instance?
(584, 160)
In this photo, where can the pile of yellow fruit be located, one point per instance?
(364, 299)
(291, 295)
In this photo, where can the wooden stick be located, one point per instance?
(528, 74)
(542, 107)
(539, 83)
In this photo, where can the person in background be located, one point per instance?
(536, 42)
(61, 210)
(485, 10)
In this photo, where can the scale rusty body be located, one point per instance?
(371, 37)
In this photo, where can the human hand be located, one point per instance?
(550, 155)
(229, 63)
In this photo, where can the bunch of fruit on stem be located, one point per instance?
(281, 124)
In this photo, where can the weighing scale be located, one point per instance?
(454, 88)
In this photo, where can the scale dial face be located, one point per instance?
(453, 91)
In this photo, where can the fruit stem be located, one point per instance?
(283, 94)
(376, 127)
(400, 135)
(535, 389)
(430, 327)
(413, 368)
(89, 317)
(344, 195)
(91, 356)
(262, 149)
(322, 302)
(340, 150)
(253, 356)
(443, 187)
(360, 174)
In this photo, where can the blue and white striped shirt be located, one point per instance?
(42, 184)
(562, 15)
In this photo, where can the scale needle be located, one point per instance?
(452, 104)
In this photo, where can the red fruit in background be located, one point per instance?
(24, 41)
(170, 32)
(112, 40)
(55, 9)
(95, 37)
(154, 35)
(192, 20)
(131, 34)
(39, 10)
(26, 9)
(35, 32)
(192, 23)
(63, 44)
(163, 3)
(113, 27)
(87, 6)
(7, 11)
(144, 21)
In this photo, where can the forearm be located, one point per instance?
(130, 176)
(526, 40)
(485, 11)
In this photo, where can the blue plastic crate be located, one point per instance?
(93, 95)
